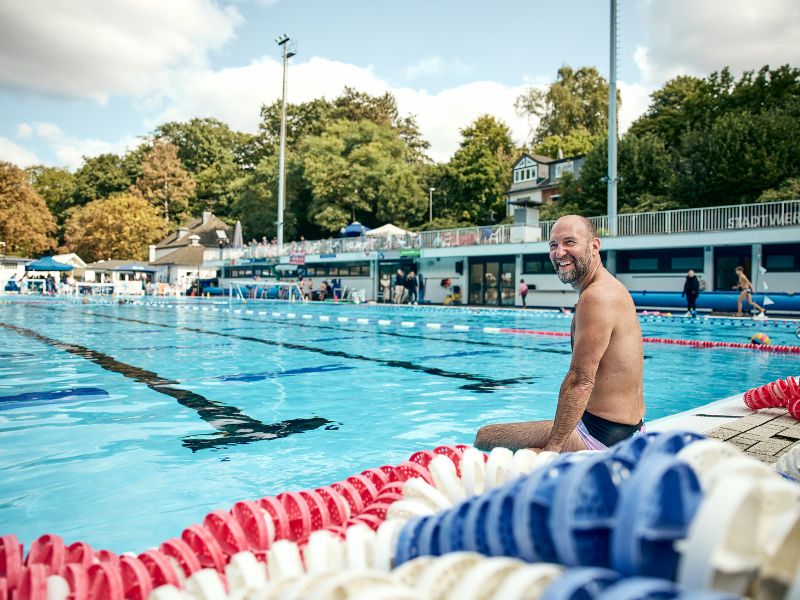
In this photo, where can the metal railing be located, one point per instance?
(694, 220)
(689, 220)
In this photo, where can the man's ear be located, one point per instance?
(596, 244)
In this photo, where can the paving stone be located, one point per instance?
(791, 432)
(749, 422)
(771, 447)
(742, 444)
(723, 433)
(765, 431)
(785, 420)
(773, 412)
(746, 438)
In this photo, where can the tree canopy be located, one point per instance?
(164, 182)
(121, 227)
(26, 224)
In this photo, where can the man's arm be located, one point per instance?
(593, 326)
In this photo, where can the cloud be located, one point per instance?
(68, 151)
(95, 48)
(235, 96)
(696, 38)
(10, 152)
(435, 65)
(635, 100)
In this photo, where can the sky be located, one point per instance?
(84, 77)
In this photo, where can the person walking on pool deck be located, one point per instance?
(691, 289)
(747, 293)
(601, 400)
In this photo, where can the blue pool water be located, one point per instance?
(120, 425)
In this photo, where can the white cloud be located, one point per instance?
(697, 38)
(24, 130)
(95, 48)
(235, 96)
(435, 65)
(68, 150)
(635, 100)
(10, 152)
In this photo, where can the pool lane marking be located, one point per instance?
(418, 337)
(480, 383)
(233, 426)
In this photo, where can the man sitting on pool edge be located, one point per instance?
(601, 401)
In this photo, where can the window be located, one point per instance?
(781, 257)
(337, 270)
(562, 168)
(673, 260)
(537, 264)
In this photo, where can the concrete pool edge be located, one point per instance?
(765, 435)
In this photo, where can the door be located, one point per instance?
(726, 259)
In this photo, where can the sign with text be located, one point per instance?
(297, 258)
(410, 252)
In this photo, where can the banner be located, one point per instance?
(297, 258)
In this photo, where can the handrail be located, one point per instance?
(668, 222)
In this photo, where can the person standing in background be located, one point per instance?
(399, 286)
(523, 292)
(421, 288)
(411, 287)
(691, 289)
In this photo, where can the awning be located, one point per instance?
(47, 263)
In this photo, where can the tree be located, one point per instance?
(360, 170)
(216, 156)
(26, 224)
(56, 186)
(99, 177)
(577, 100)
(788, 190)
(119, 227)
(164, 182)
(738, 157)
(577, 143)
(478, 176)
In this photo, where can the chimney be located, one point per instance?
(206, 216)
(194, 239)
(151, 253)
(182, 231)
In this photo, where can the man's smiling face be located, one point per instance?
(571, 250)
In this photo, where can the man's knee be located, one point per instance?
(486, 437)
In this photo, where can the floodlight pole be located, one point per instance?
(283, 42)
(612, 125)
(430, 203)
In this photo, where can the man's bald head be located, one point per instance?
(583, 222)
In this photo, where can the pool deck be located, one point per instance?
(765, 435)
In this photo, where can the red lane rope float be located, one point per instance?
(779, 348)
(363, 498)
(781, 393)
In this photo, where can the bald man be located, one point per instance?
(600, 401)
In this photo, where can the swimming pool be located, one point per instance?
(122, 424)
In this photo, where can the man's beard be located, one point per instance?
(580, 269)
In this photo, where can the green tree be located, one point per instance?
(26, 224)
(577, 100)
(164, 182)
(576, 143)
(738, 157)
(216, 156)
(119, 227)
(360, 170)
(99, 177)
(477, 178)
(56, 186)
(788, 190)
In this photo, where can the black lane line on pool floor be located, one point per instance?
(481, 384)
(233, 425)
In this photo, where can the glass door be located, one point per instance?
(507, 288)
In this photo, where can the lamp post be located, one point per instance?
(430, 203)
(283, 42)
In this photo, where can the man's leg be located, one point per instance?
(529, 434)
(752, 302)
(739, 304)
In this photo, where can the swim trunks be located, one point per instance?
(598, 433)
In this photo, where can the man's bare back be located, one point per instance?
(601, 399)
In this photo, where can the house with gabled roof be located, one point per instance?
(179, 256)
(536, 179)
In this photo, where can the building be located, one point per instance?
(179, 257)
(536, 179)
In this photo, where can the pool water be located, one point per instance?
(121, 424)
